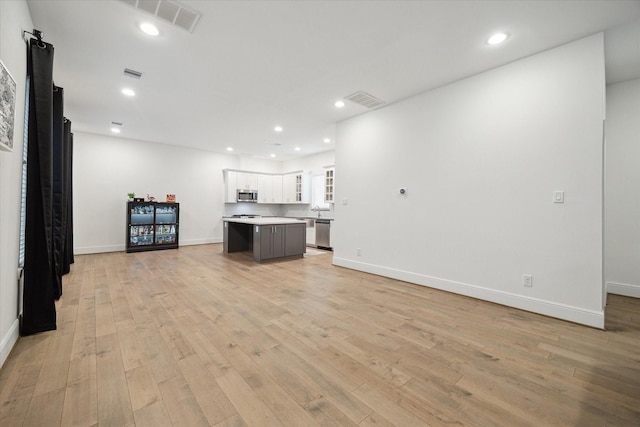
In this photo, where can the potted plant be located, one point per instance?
(131, 196)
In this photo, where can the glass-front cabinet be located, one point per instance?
(152, 226)
(329, 185)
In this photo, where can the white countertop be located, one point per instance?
(265, 221)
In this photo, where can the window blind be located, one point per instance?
(23, 197)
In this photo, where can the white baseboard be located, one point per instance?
(83, 250)
(623, 289)
(8, 341)
(192, 242)
(593, 318)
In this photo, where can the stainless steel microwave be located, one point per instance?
(250, 196)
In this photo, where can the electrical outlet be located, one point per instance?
(527, 280)
(359, 252)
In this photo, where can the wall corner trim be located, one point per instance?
(8, 341)
(624, 289)
(593, 318)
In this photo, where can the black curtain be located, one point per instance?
(67, 252)
(39, 311)
(59, 208)
(49, 213)
(62, 214)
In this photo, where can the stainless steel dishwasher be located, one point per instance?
(323, 233)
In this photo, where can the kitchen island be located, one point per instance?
(268, 238)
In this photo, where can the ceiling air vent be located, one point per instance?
(170, 11)
(132, 73)
(364, 99)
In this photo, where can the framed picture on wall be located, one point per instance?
(7, 108)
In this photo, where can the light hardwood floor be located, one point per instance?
(193, 337)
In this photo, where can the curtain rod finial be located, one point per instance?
(36, 33)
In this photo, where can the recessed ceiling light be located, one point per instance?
(229, 148)
(128, 92)
(115, 130)
(297, 148)
(339, 104)
(273, 155)
(497, 38)
(327, 140)
(149, 28)
(278, 129)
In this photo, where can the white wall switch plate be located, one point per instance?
(558, 196)
(345, 202)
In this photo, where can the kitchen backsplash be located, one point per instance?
(274, 210)
(252, 209)
(305, 211)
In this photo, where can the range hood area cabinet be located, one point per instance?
(238, 180)
(289, 188)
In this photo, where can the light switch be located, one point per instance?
(558, 196)
(345, 202)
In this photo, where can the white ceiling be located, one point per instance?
(251, 65)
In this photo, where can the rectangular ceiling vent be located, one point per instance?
(132, 73)
(170, 11)
(364, 99)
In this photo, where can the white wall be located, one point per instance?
(14, 17)
(314, 165)
(107, 168)
(622, 193)
(481, 158)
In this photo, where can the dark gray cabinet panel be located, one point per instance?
(278, 241)
(295, 239)
(271, 238)
(265, 241)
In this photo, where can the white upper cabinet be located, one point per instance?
(269, 188)
(329, 184)
(277, 188)
(230, 186)
(295, 188)
(288, 188)
(247, 181)
(265, 188)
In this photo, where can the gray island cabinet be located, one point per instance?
(267, 238)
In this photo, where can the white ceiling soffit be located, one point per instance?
(364, 99)
(168, 10)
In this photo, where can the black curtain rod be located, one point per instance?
(37, 34)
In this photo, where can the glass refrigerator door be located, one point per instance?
(141, 214)
(166, 234)
(141, 235)
(165, 214)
